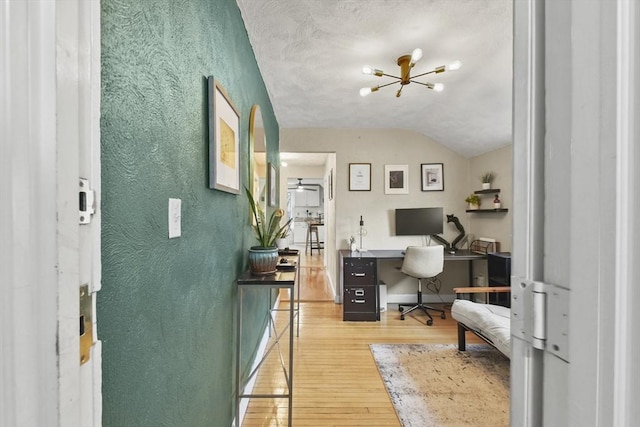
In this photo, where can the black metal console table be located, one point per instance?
(285, 278)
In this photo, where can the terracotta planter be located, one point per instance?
(263, 261)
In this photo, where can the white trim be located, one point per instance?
(29, 266)
(626, 162)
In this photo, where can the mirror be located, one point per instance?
(258, 157)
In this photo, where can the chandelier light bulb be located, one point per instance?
(454, 66)
(406, 64)
(416, 55)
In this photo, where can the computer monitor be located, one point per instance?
(419, 221)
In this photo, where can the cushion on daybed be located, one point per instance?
(492, 321)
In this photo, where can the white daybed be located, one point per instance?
(489, 322)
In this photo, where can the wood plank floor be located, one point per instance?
(335, 380)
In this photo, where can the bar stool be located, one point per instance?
(311, 229)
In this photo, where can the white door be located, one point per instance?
(50, 63)
(576, 233)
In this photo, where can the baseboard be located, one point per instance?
(426, 298)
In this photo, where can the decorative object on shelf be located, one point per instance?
(263, 259)
(474, 201)
(406, 63)
(432, 176)
(396, 179)
(359, 176)
(487, 178)
(497, 204)
(224, 153)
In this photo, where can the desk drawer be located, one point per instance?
(359, 272)
(360, 303)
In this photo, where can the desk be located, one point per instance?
(460, 255)
(397, 254)
(283, 279)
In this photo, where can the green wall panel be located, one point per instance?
(166, 311)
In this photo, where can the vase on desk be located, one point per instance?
(263, 261)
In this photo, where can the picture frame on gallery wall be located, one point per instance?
(273, 185)
(432, 176)
(224, 144)
(396, 179)
(359, 176)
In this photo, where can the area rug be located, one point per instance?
(437, 385)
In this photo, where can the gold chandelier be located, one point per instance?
(406, 63)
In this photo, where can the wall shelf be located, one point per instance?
(488, 210)
(489, 191)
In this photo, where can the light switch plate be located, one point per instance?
(175, 218)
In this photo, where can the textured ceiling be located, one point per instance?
(311, 53)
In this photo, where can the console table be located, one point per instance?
(285, 278)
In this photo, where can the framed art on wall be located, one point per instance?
(224, 153)
(273, 185)
(359, 176)
(396, 179)
(432, 177)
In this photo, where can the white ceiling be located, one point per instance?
(311, 53)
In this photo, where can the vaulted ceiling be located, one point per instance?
(311, 53)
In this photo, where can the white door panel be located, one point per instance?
(576, 65)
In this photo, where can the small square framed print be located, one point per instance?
(432, 176)
(396, 179)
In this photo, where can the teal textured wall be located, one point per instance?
(166, 311)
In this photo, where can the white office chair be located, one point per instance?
(422, 262)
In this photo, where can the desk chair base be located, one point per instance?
(422, 307)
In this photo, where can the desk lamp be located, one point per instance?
(361, 232)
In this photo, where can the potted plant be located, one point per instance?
(473, 200)
(486, 179)
(263, 258)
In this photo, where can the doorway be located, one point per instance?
(305, 185)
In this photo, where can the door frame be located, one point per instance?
(50, 63)
(575, 109)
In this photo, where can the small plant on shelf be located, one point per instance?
(486, 179)
(473, 200)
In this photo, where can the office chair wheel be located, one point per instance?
(443, 316)
(430, 322)
(402, 317)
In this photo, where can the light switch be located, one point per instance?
(175, 218)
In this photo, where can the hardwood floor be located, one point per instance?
(335, 380)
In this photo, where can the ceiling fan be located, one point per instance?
(301, 187)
